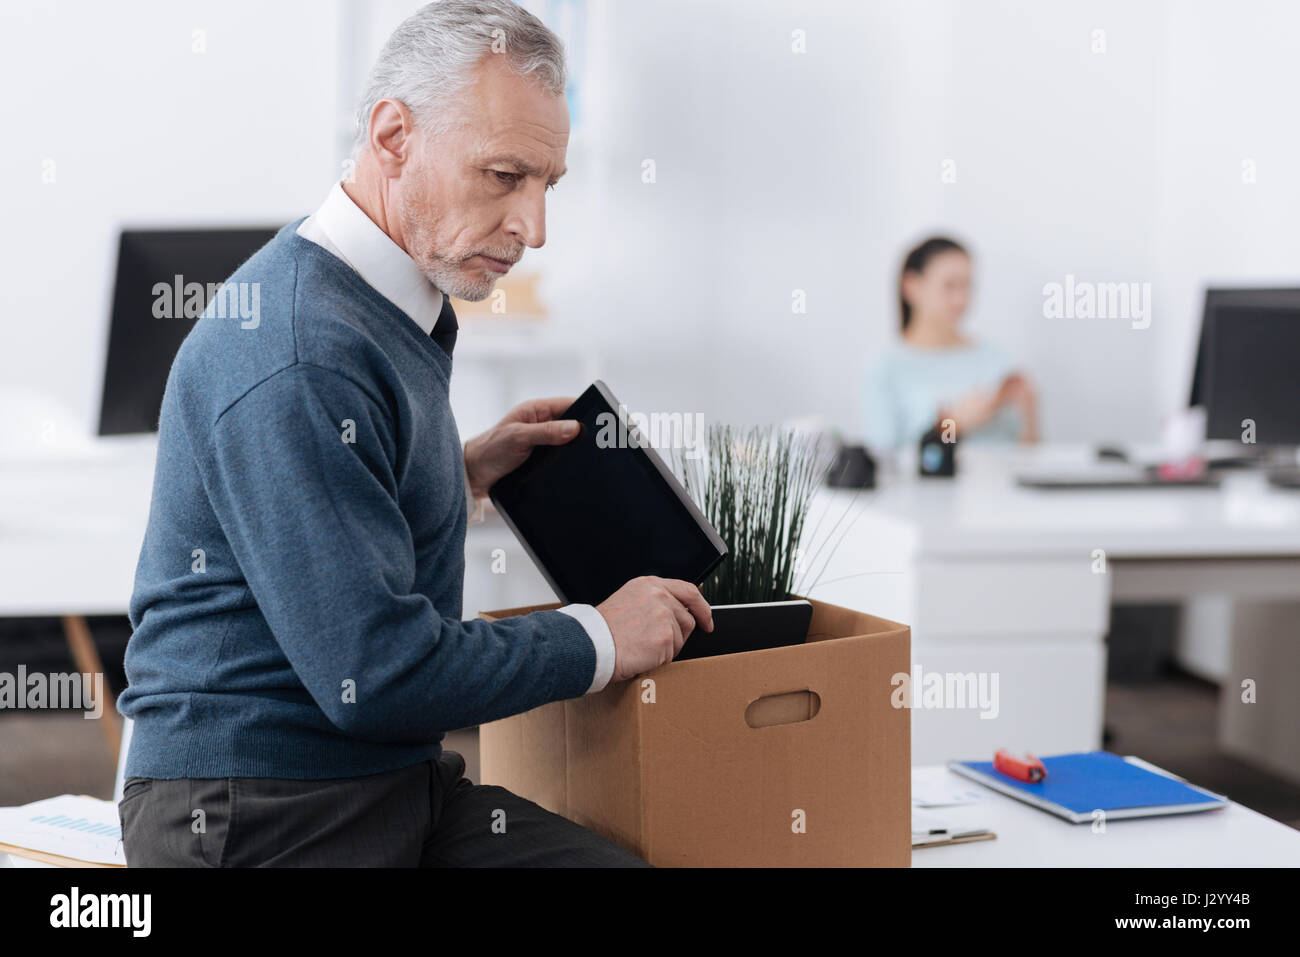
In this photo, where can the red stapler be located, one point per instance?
(1028, 768)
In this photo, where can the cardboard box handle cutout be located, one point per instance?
(789, 707)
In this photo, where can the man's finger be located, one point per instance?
(679, 639)
(549, 433)
(684, 621)
(544, 410)
(690, 596)
(524, 435)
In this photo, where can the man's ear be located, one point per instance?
(391, 130)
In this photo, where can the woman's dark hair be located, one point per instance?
(916, 262)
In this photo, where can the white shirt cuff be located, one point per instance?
(598, 631)
(473, 506)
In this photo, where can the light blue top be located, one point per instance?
(906, 386)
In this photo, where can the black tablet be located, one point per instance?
(752, 627)
(603, 509)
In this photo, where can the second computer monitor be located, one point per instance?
(156, 300)
(1246, 367)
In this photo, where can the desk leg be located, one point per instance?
(86, 657)
(1263, 729)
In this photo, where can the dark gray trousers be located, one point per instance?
(426, 815)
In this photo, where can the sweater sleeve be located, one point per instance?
(314, 523)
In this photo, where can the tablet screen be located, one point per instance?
(598, 511)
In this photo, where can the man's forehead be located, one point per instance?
(514, 118)
(525, 146)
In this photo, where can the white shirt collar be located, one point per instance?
(340, 226)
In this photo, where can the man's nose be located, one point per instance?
(527, 220)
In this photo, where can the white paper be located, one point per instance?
(926, 823)
(939, 787)
(70, 825)
(929, 826)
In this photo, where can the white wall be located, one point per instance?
(780, 171)
(1232, 80)
(144, 132)
(1057, 155)
(775, 172)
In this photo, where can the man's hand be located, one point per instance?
(650, 619)
(503, 448)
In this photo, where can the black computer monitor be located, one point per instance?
(1246, 364)
(154, 307)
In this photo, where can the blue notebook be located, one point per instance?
(1079, 784)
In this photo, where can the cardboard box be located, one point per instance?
(789, 756)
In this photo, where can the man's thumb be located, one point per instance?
(559, 431)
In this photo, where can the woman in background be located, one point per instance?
(936, 372)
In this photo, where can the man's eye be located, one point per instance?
(507, 178)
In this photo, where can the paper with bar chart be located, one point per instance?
(72, 826)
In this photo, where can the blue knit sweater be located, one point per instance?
(297, 604)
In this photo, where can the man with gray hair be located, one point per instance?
(298, 649)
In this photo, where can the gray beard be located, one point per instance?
(444, 274)
(447, 277)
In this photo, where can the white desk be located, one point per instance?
(991, 577)
(1027, 837)
(12, 860)
(1003, 580)
(71, 526)
(72, 519)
